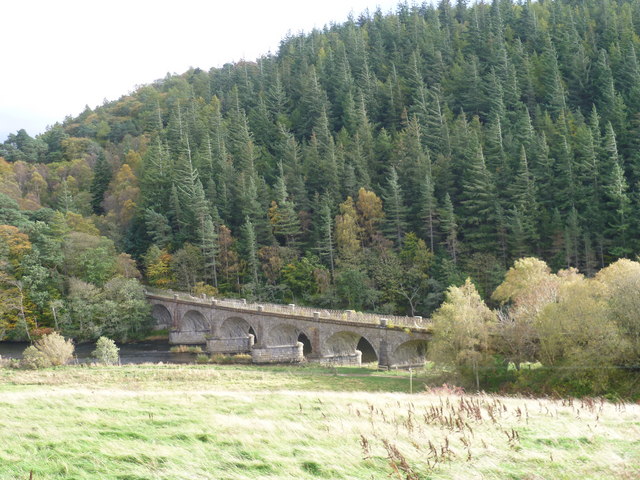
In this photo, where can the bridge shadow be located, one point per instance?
(306, 344)
(368, 352)
(253, 332)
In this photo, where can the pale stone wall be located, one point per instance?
(278, 354)
(348, 359)
(187, 338)
(230, 345)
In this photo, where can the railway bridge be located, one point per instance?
(288, 333)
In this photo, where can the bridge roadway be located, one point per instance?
(288, 333)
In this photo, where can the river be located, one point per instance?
(141, 352)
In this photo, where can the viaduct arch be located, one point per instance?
(282, 334)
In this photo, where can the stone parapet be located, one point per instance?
(278, 354)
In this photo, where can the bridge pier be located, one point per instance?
(230, 345)
(177, 337)
(349, 359)
(384, 359)
(278, 353)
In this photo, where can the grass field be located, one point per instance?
(230, 422)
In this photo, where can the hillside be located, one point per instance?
(369, 165)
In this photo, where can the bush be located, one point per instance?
(222, 359)
(55, 348)
(33, 358)
(242, 358)
(202, 358)
(186, 349)
(106, 351)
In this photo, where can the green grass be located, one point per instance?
(246, 422)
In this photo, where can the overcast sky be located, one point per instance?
(60, 55)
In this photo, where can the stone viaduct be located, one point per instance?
(288, 333)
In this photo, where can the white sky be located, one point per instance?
(59, 55)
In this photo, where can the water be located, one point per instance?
(130, 353)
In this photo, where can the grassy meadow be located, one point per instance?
(230, 422)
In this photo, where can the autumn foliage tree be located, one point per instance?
(461, 331)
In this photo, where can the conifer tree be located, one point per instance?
(101, 178)
(326, 241)
(158, 228)
(251, 251)
(282, 215)
(429, 210)
(479, 202)
(207, 235)
(523, 193)
(395, 209)
(65, 198)
(449, 226)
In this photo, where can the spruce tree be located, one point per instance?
(395, 208)
(326, 240)
(449, 227)
(250, 251)
(283, 217)
(478, 202)
(100, 184)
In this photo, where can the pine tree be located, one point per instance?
(101, 178)
(572, 236)
(479, 202)
(251, 251)
(524, 196)
(429, 210)
(395, 208)
(326, 241)
(158, 228)
(618, 202)
(449, 226)
(282, 215)
(65, 198)
(289, 151)
(207, 235)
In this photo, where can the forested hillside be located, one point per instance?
(369, 165)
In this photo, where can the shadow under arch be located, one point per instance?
(194, 321)
(346, 343)
(306, 344)
(162, 316)
(369, 354)
(410, 354)
(287, 334)
(234, 327)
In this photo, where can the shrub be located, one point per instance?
(106, 351)
(242, 358)
(202, 358)
(53, 348)
(33, 358)
(222, 359)
(186, 349)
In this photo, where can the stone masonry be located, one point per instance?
(275, 337)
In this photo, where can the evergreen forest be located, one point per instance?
(369, 165)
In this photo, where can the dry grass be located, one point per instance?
(186, 349)
(232, 423)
